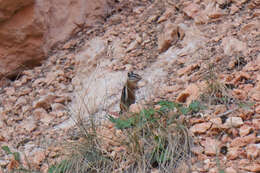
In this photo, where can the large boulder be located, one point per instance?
(21, 35)
(30, 28)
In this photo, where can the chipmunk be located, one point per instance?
(128, 92)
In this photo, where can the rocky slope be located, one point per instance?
(207, 50)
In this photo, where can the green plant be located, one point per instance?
(155, 138)
(15, 154)
(17, 158)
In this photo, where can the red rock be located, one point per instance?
(29, 125)
(10, 91)
(230, 170)
(247, 28)
(200, 128)
(39, 156)
(238, 142)
(192, 10)
(211, 146)
(197, 150)
(193, 121)
(255, 95)
(14, 164)
(58, 107)
(233, 9)
(166, 15)
(220, 109)
(252, 151)
(215, 14)
(187, 70)
(233, 153)
(249, 139)
(256, 13)
(135, 108)
(240, 76)
(232, 45)
(239, 2)
(256, 123)
(192, 92)
(234, 122)
(245, 130)
(22, 34)
(253, 167)
(2, 138)
(168, 37)
(45, 101)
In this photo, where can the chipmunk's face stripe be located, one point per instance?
(133, 76)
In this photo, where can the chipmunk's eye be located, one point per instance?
(129, 74)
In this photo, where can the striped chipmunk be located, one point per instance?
(128, 92)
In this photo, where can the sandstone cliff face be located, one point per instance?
(21, 35)
(63, 18)
(28, 29)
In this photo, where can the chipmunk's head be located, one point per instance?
(133, 77)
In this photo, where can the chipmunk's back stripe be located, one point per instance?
(125, 93)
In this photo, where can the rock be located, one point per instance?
(2, 138)
(38, 157)
(39, 113)
(238, 142)
(29, 29)
(257, 109)
(166, 15)
(230, 170)
(232, 45)
(45, 101)
(239, 2)
(132, 46)
(216, 13)
(188, 70)
(168, 37)
(239, 94)
(192, 92)
(240, 77)
(253, 167)
(217, 124)
(29, 125)
(211, 146)
(245, 130)
(255, 94)
(233, 153)
(192, 10)
(256, 124)
(220, 109)
(200, 128)
(58, 107)
(197, 150)
(13, 164)
(234, 122)
(22, 35)
(154, 170)
(256, 13)
(249, 27)
(21, 101)
(135, 108)
(63, 18)
(252, 151)
(233, 9)
(10, 91)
